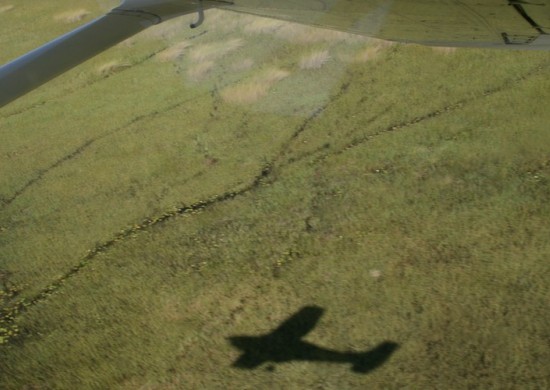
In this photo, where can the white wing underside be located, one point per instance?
(495, 23)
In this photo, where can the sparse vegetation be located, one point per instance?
(146, 217)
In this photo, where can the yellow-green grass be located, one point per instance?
(402, 189)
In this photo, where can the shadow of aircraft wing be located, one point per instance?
(300, 324)
(248, 361)
(253, 352)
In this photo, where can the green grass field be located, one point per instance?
(191, 185)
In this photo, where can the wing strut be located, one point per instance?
(201, 16)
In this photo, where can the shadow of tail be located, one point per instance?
(368, 361)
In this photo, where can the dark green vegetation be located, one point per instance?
(154, 205)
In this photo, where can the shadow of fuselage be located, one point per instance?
(284, 344)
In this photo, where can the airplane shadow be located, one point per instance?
(284, 344)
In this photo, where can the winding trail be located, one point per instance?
(267, 173)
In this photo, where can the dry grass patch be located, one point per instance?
(242, 65)
(6, 8)
(198, 72)
(367, 54)
(212, 51)
(301, 34)
(264, 26)
(254, 89)
(245, 93)
(444, 50)
(373, 50)
(112, 67)
(173, 53)
(169, 29)
(383, 44)
(292, 32)
(165, 31)
(315, 60)
(72, 16)
(226, 21)
(274, 75)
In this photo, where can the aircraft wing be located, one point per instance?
(489, 23)
(518, 24)
(43, 64)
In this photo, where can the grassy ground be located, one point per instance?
(191, 185)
